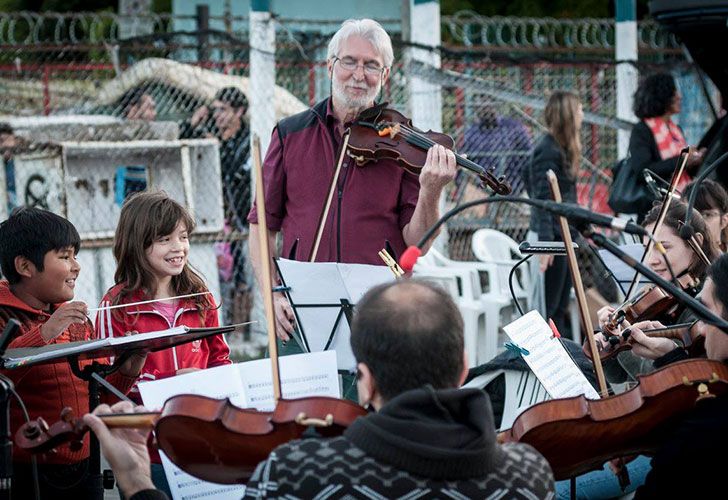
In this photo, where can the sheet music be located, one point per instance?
(248, 385)
(547, 358)
(324, 284)
(311, 374)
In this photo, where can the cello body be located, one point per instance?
(578, 435)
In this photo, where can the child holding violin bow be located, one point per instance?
(640, 323)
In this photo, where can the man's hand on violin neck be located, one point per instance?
(125, 449)
(439, 169)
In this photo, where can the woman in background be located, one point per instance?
(656, 141)
(558, 150)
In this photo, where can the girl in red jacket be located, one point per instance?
(151, 247)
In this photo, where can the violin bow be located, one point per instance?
(578, 286)
(327, 204)
(267, 284)
(682, 161)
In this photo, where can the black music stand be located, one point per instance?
(118, 347)
(322, 295)
(6, 439)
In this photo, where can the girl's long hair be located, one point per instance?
(145, 217)
(560, 116)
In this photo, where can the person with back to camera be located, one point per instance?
(426, 438)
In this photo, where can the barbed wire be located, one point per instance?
(470, 28)
(466, 27)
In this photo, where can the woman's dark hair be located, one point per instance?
(32, 233)
(718, 272)
(710, 195)
(654, 95)
(674, 219)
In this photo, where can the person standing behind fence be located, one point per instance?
(225, 121)
(656, 141)
(500, 142)
(559, 150)
(151, 246)
(137, 104)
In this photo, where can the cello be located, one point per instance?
(209, 438)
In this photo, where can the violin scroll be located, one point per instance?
(37, 436)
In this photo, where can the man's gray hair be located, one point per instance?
(369, 30)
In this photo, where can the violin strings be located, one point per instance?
(425, 142)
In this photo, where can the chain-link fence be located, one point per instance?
(96, 116)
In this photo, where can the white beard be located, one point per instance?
(338, 91)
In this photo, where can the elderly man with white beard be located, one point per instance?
(375, 206)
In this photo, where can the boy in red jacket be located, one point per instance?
(38, 258)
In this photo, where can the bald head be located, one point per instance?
(410, 334)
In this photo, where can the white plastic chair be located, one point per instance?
(500, 253)
(462, 283)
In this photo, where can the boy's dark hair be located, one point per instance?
(409, 334)
(32, 233)
(654, 95)
(232, 96)
(718, 272)
(6, 128)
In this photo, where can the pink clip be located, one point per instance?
(554, 330)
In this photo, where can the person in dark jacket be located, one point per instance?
(559, 150)
(656, 141)
(426, 438)
(701, 436)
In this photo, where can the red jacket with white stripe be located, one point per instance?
(47, 389)
(205, 353)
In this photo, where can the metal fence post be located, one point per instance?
(625, 49)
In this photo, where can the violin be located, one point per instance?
(208, 438)
(577, 435)
(649, 303)
(211, 438)
(384, 133)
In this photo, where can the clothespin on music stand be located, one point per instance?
(391, 263)
(554, 331)
(515, 348)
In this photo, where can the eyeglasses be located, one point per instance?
(350, 64)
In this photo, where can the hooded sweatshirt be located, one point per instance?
(47, 389)
(423, 443)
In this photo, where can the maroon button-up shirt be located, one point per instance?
(371, 206)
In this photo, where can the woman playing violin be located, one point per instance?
(684, 262)
(702, 435)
